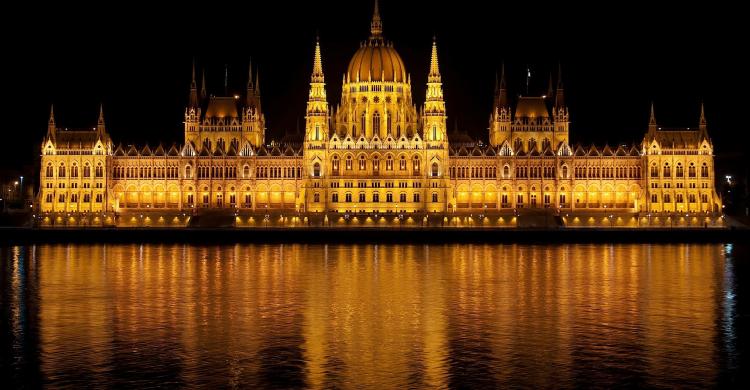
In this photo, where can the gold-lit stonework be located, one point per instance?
(375, 159)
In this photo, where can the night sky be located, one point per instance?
(137, 59)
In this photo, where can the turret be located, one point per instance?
(500, 117)
(434, 119)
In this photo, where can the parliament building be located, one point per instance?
(376, 158)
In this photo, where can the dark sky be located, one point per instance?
(136, 60)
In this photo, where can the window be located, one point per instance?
(74, 198)
(335, 166)
(416, 197)
(533, 200)
(61, 171)
(375, 165)
(190, 199)
(416, 166)
(434, 132)
(519, 199)
(434, 197)
(402, 163)
(434, 169)
(654, 198)
(389, 197)
(691, 170)
(376, 123)
(61, 198)
(389, 163)
(654, 171)
(565, 171)
(362, 163)
(74, 171)
(316, 170)
(704, 170)
(188, 172)
(248, 200)
(348, 197)
(50, 171)
(246, 171)
(562, 199)
(704, 198)
(86, 171)
(667, 198)
(680, 171)
(667, 171)
(402, 197)
(362, 197)
(506, 171)
(348, 163)
(99, 170)
(376, 197)
(678, 198)
(86, 198)
(48, 198)
(691, 198)
(317, 132)
(335, 198)
(316, 197)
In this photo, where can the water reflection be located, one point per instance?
(366, 316)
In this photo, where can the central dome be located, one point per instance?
(377, 61)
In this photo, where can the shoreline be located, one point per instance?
(405, 235)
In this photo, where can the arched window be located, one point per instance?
(317, 132)
(565, 171)
(680, 171)
(434, 169)
(434, 197)
(532, 144)
(704, 170)
(235, 144)
(654, 170)
(100, 170)
(506, 171)
(375, 164)
(349, 163)
(691, 170)
(388, 123)
(86, 171)
(376, 123)
(402, 163)
(362, 123)
(50, 171)
(335, 165)
(517, 145)
(545, 144)
(667, 170)
(316, 170)
(434, 132)
(74, 170)
(389, 163)
(362, 163)
(188, 172)
(416, 167)
(246, 171)
(61, 171)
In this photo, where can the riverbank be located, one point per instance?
(396, 235)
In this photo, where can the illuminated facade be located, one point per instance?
(374, 154)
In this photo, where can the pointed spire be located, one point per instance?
(101, 114)
(100, 123)
(652, 118)
(703, 116)
(250, 85)
(434, 76)
(560, 96)
(317, 73)
(501, 92)
(204, 94)
(376, 26)
(257, 82)
(52, 115)
(193, 89)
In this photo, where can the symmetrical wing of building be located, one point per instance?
(375, 153)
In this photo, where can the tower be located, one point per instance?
(560, 112)
(193, 110)
(253, 120)
(316, 134)
(500, 117)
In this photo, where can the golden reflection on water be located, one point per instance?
(381, 316)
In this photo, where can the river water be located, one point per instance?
(374, 316)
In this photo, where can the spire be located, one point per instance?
(317, 73)
(703, 116)
(193, 89)
(652, 118)
(100, 122)
(257, 82)
(52, 115)
(376, 26)
(51, 127)
(501, 92)
(203, 86)
(434, 76)
(250, 85)
(560, 96)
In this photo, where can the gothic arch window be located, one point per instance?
(50, 170)
(246, 171)
(435, 169)
(74, 170)
(416, 167)
(349, 163)
(99, 170)
(87, 170)
(398, 131)
(188, 172)
(691, 170)
(376, 123)
(532, 144)
(362, 163)
(402, 163)
(704, 170)
(389, 163)
(564, 171)
(680, 172)
(207, 144)
(545, 144)
(61, 171)
(667, 170)
(335, 165)
(517, 144)
(654, 170)
(235, 144)
(362, 123)
(506, 171)
(388, 122)
(316, 170)
(317, 132)
(434, 132)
